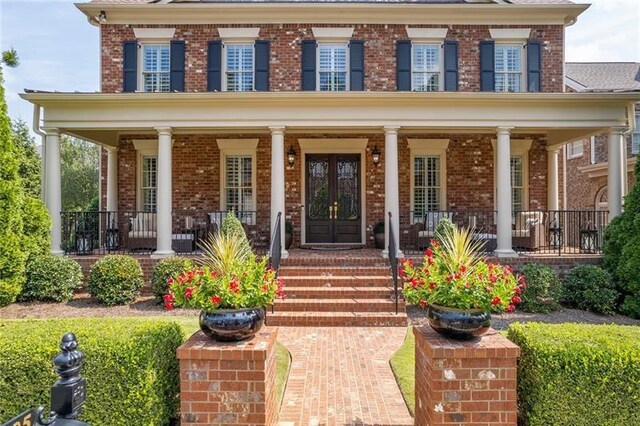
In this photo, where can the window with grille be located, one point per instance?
(425, 67)
(426, 184)
(332, 67)
(575, 149)
(517, 183)
(239, 67)
(149, 183)
(508, 67)
(239, 183)
(635, 137)
(156, 67)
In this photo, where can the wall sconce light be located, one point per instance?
(376, 155)
(102, 17)
(291, 156)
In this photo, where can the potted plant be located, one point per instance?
(231, 287)
(378, 235)
(458, 288)
(288, 235)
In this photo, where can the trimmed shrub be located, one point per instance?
(231, 226)
(115, 280)
(130, 366)
(590, 288)
(37, 225)
(629, 274)
(576, 374)
(168, 268)
(543, 288)
(51, 279)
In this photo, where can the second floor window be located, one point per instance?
(425, 67)
(239, 67)
(508, 68)
(149, 183)
(156, 67)
(333, 66)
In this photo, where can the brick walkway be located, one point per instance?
(341, 376)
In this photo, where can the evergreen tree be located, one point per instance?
(80, 164)
(30, 165)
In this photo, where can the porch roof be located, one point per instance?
(563, 117)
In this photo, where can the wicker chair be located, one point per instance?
(529, 230)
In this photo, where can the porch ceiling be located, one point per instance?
(564, 117)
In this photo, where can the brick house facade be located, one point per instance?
(466, 98)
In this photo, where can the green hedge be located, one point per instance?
(115, 279)
(130, 366)
(51, 278)
(577, 374)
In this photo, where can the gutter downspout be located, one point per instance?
(43, 149)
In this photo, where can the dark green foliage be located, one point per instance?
(130, 366)
(36, 227)
(543, 288)
(30, 161)
(10, 58)
(576, 374)
(590, 288)
(12, 258)
(165, 269)
(94, 205)
(115, 280)
(444, 227)
(628, 273)
(51, 279)
(80, 172)
(232, 226)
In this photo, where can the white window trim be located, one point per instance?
(239, 35)
(224, 64)
(347, 63)
(510, 34)
(636, 134)
(523, 62)
(440, 44)
(231, 147)
(332, 35)
(570, 154)
(140, 59)
(152, 35)
(518, 147)
(427, 35)
(144, 148)
(433, 147)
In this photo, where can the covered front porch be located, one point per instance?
(334, 165)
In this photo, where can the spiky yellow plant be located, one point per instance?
(221, 251)
(459, 247)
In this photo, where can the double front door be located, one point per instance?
(333, 212)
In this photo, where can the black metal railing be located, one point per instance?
(559, 232)
(393, 260)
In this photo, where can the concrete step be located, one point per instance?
(330, 292)
(335, 281)
(338, 319)
(337, 305)
(350, 270)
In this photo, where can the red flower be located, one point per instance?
(216, 300)
(414, 282)
(234, 287)
(518, 291)
(187, 292)
(463, 269)
(432, 285)
(170, 281)
(435, 243)
(423, 303)
(214, 274)
(430, 261)
(265, 288)
(457, 275)
(449, 278)
(488, 289)
(496, 301)
(516, 299)
(201, 272)
(510, 308)
(493, 278)
(168, 306)
(169, 298)
(428, 252)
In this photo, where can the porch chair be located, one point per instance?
(142, 232)
(423, 231)
(529, 230)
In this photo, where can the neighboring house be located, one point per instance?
(334, 113)
(586, 164)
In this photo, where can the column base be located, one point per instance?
(399, 254)
(57, 252)
(162, 254)
(284, 254)
(505, 253)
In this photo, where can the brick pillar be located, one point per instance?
(472, 382)
(228, 383)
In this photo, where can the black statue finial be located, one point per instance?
(69, 392)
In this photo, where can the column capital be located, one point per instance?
(554, 149)
(111, 149)
(51, 131)
(163, 130)
(504, 130)
(391, 130)
(617, 130)
(277, 130)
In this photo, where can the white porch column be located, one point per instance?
(614, 183)
(552, 172)
(391, 199)
(164, 195)
(53, 192)
(503, 193)
(112, 179)
(277, 183)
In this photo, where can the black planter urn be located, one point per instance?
(232, 325)
(378, 240)
(458, 324)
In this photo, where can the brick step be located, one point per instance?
(338, 319)
(335, 270)
(342, 261)
(335, 281)
(337, 305)
(338, 292)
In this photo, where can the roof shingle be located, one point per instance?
(605, 76)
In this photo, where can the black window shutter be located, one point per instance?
(214, 66)
(451, 66)
(130, 66)
(487, 66)
(534, 65)
(176, 79)
(308, 65)
(262, 65)
(403, 65)
(356, 64)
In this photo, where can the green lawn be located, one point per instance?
(283, 359)
(403, 366)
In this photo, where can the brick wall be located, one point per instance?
(285, 53)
